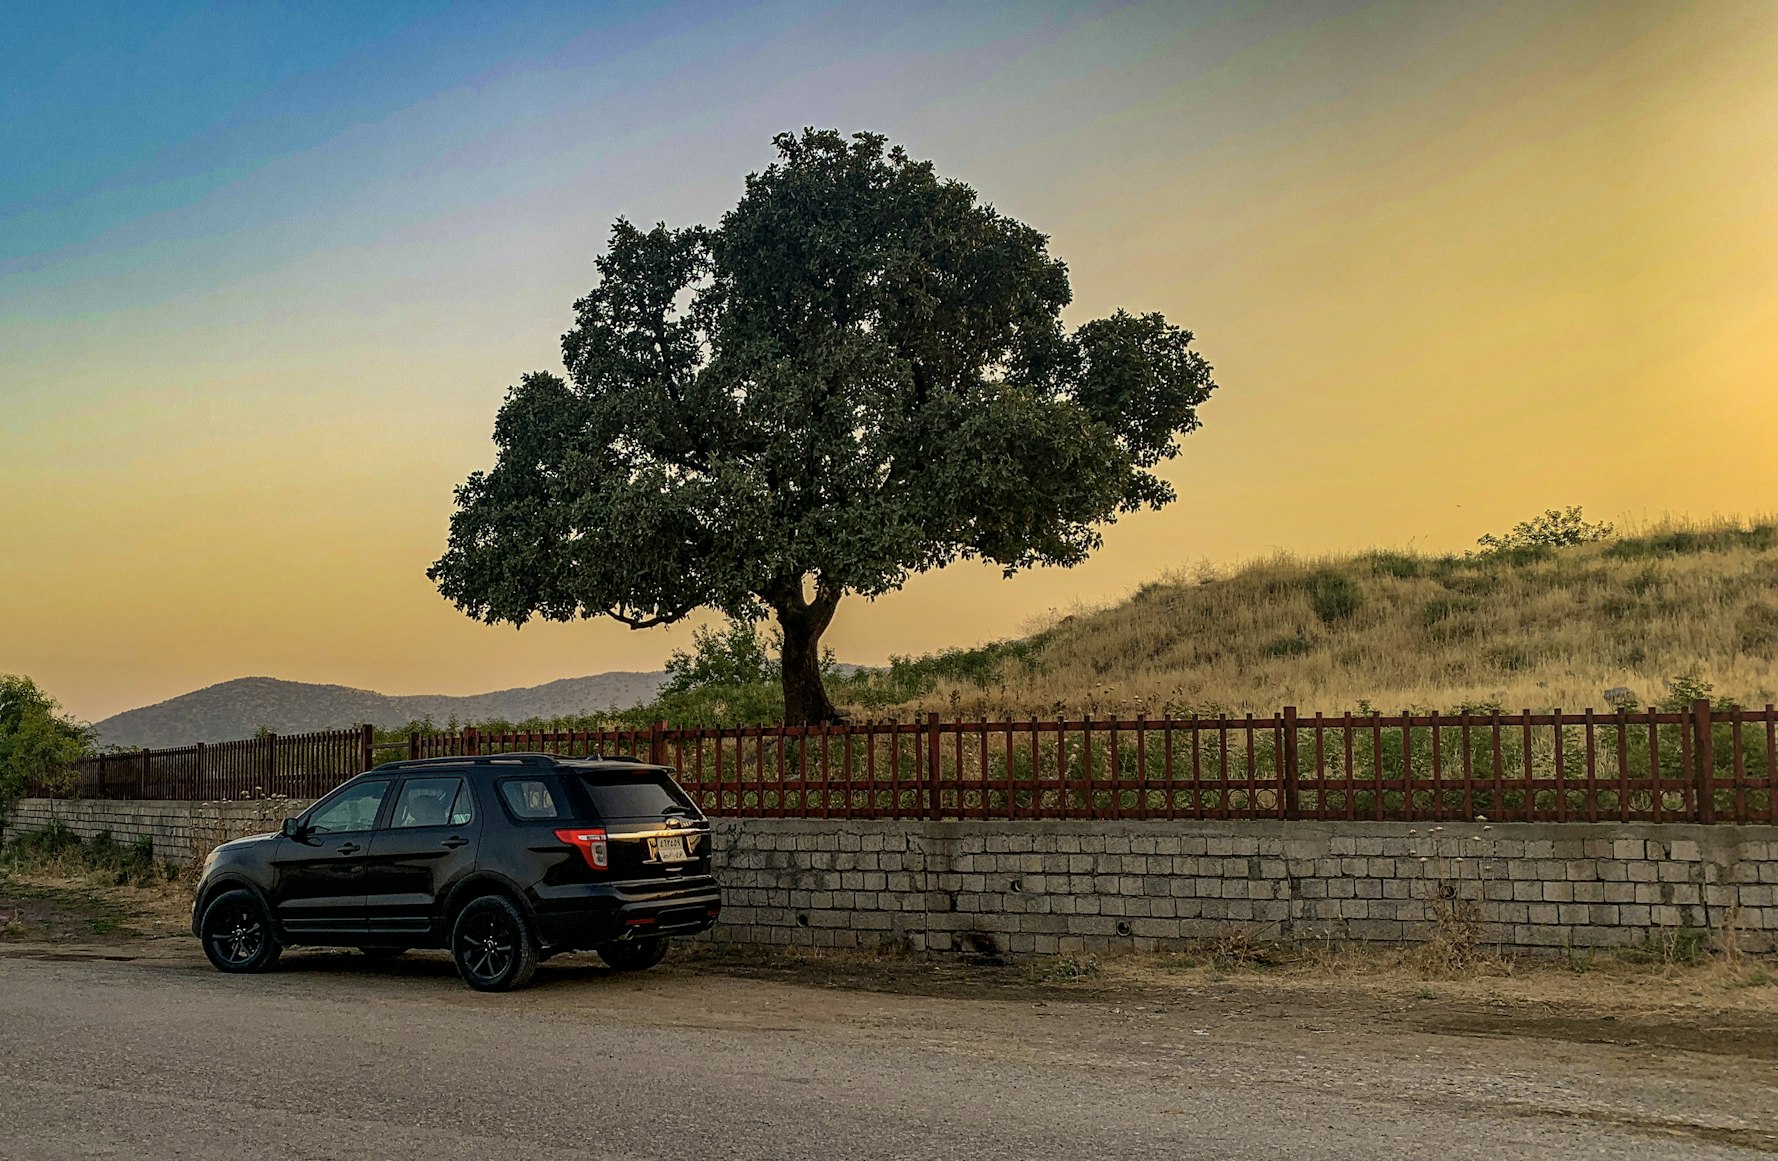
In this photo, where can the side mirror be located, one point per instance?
(292, 829)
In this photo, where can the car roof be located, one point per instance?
(507, 763)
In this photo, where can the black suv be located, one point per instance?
(505, 859)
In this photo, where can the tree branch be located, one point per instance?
(650, 622)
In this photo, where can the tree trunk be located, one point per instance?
(803, 622)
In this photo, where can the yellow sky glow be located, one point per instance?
(1536, 266)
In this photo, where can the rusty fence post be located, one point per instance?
(1704, 752)
(1287, 769)
(271, 765)
(367, 742)
(413, 744)
(657, 743)
(197, 773)
(934, 805)
(471, 745)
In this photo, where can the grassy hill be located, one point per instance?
(1521, 628)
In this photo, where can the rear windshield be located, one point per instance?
(620, 794)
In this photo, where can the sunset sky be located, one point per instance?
(267, 270)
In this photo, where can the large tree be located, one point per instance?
(861, 373)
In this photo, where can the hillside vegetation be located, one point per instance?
(1515, 626)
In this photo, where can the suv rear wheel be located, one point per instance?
(237, 933)
(637, 955)
(493, 945)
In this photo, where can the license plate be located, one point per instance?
(670, 849)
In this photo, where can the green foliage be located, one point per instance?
(1334, 595)
(1441, 609)
(57, 849)
(1759, 629)
(1690, 541)
(1687, 688)
(1556, 528)
(38, 742)
(731, 656)
(1294, 645)
(861, 373)
(1396, 564)
(909, 678)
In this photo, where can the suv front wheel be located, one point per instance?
(493, 945)
(237, 933)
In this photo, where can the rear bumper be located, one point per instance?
(584, 915)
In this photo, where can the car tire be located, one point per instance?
(237, 933)
(493, 946)
(383, 953)
(636, 955)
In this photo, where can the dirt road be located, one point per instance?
(334, 1057)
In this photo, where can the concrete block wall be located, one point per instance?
(1039, 888)
(180, 831)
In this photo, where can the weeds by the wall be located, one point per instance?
(57, 850)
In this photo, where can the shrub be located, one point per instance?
(1689, 541)
(1759, 628)
(1441, 609)
(58, 849)
(1334, 595)
(1294, 645)
(1556, 528)
(1395, 564)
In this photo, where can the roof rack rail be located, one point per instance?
(521, 759)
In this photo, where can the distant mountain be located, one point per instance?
(235, 709)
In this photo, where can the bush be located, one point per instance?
(733, 656)
(910, 678)
(1395, 564)
(1556, 528)
(57, 849)
(1334, 595)
(1295, 645)
(1759, 629)
(1442, 609)
(1690, 541)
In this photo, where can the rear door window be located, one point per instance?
(531, 799)
(432, 802)
(621, 794)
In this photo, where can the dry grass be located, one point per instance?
(1635, 978)
(1395, 630)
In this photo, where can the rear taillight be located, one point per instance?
(591, 843)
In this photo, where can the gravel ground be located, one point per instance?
(138, 1049)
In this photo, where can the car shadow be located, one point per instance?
(431, 964)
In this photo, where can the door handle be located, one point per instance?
(349, 848)
(454, 842)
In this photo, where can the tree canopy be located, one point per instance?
(859, 374)
(38, 742)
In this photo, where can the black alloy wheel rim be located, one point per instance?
(237, 935)
(486, 946)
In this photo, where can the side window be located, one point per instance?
(432, 802)
(529, 798)
(354, 809)
(463, 810)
